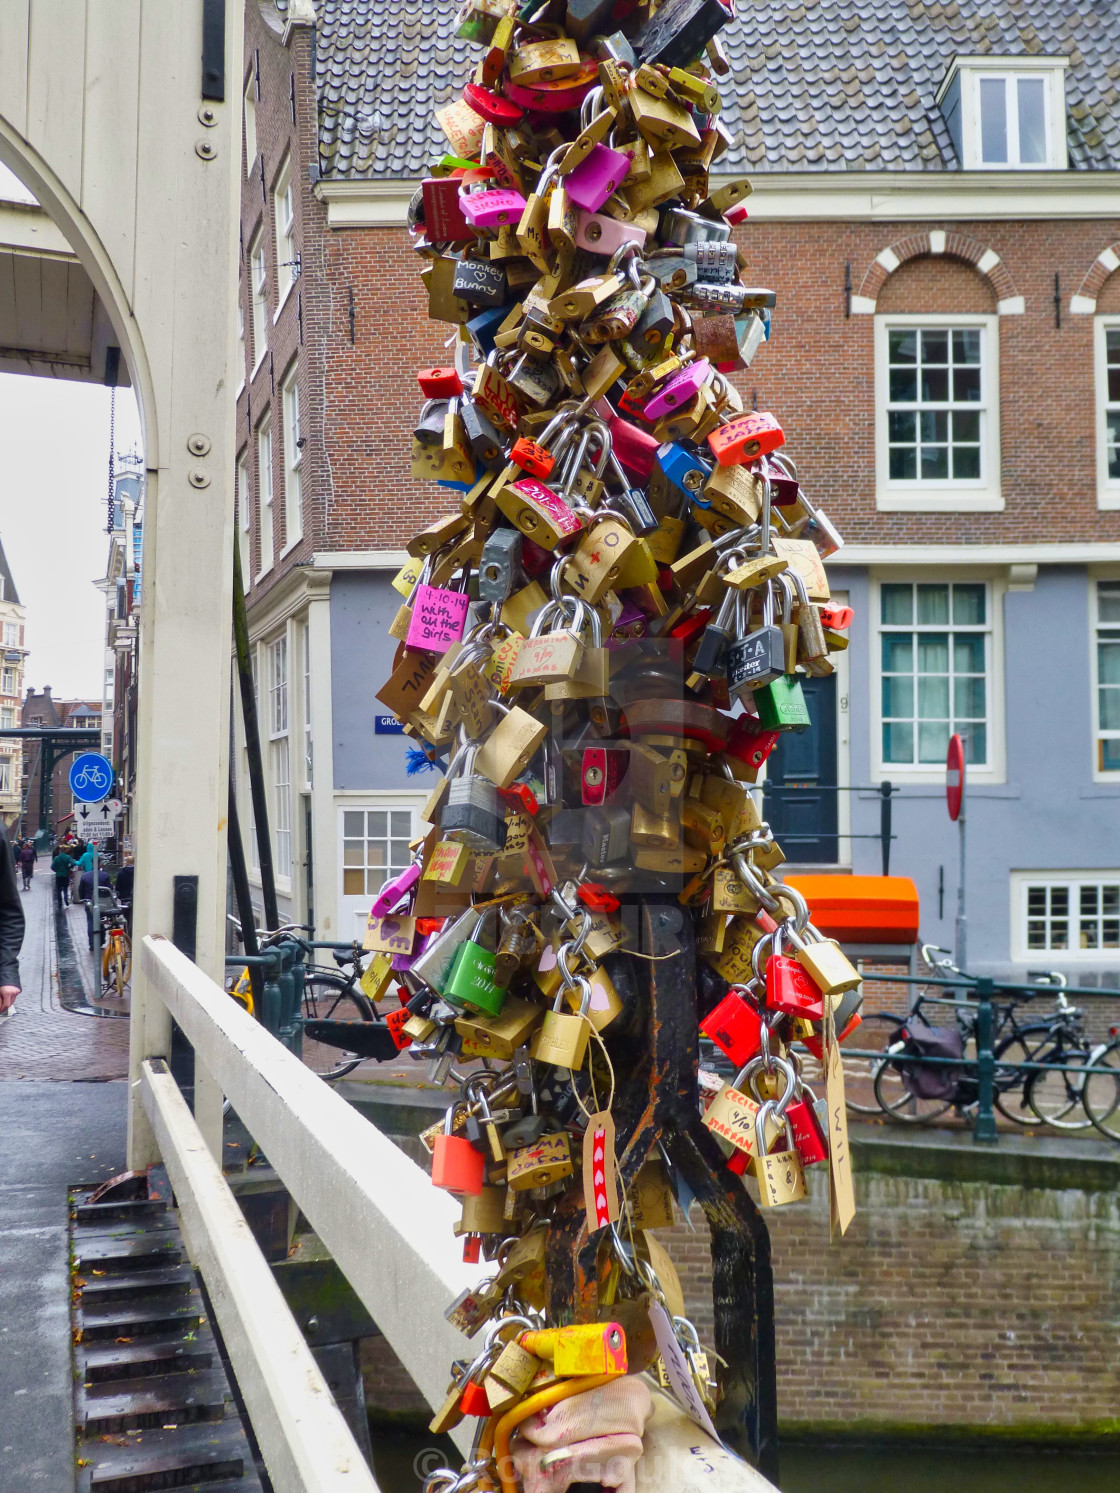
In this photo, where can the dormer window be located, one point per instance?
(1006, 113)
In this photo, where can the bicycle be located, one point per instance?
(1101, 1087)
(1026, 1097)
(328, 995)
(91, 777)
(116, 952)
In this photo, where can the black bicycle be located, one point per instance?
(918, 1093)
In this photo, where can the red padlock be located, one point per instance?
(472, 1249)
(521, 797)
(491, 106)
(439, 383)
(836, 618)
(735, 1026)
(750, 742)
(602, 769)
(790, 989)
(395, 1021)
(746, 437)
(474, 1401)
(689, 628)
(456, 1165)
(531, 457)
(424, 926)
(739, 1162)
(809, 1136)
(596, 898)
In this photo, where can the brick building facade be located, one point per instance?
(40, 708)
(978, 491)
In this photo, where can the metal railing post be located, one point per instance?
(885, 791)
(985, 1127)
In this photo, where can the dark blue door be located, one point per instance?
(799, 798)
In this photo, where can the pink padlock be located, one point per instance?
(492, 209)
(677, 391)
(636, 450)
(438, 618)
(630, 623)
(600, 173)
(393, 893)
(402, 962)
(602, 235)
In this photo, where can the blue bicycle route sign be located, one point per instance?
(91, 777)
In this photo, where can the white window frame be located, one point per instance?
(995, 770)
(971, 70)
(250, 113)
(1074, 880)
(242, 350)
(5, 775)
(1108, 488)
(9, 682)
(284, 211)
(11, 634)
(244, 518)
(280, 755)
(923, 494)
(258, 290)
(293, 459)
(1100, 775)
(308, 748)
(265, 491)
(368, 803)
(7, 718)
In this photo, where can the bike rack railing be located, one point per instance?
(984, 1128)
(388, 1229)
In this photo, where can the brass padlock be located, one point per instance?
(562, 1038)
(507, 750)
(779, 1173)
(483, 1213)
(547, 1160)
(499, 1036)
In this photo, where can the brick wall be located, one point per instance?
(948, 1304)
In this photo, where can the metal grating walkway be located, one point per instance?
(153, 1403)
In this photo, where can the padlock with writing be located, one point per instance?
(789, 986)
(758, 658)
(735, 1026)
(499, 1036)
(471, 980)
(808, 1125)
(781, 705)
(779, 1174)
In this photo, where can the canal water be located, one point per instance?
(862, 1469)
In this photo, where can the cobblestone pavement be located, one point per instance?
(47, 1039)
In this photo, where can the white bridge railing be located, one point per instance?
(388, 1229)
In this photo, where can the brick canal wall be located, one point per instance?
(977, 1292)
(956, 1301)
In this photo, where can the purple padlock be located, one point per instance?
(393, 893)
(678, 391)
(492, 209)
(600, 173)
(630, 623)
(403, 962)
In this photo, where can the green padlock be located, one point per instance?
(471, 981)
(781, 705)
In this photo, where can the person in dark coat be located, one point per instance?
(27, 862)
(11, 928)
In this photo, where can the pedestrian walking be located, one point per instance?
(11, 929)
(83, 867)
(62, 865)
(27, 863)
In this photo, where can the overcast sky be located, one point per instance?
(54, 470)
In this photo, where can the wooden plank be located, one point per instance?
(112, 86)
(28, 292)
(59, 334)
(56, 83)
(13, 63)
(304, 1440)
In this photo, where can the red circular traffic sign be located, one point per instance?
(954, 776)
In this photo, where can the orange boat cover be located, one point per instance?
(862, 909)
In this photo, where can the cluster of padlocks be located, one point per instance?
(600, 644)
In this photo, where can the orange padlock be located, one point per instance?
(456, 1165)
(746, 437)
(395, 1021)
(531, 457)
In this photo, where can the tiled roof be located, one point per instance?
(820, 84)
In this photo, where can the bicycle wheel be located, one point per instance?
(1011, 1082)
(896, 1100)
(1101, 1091)
(874, 1034)
(328, 998)
(1058, 1098)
